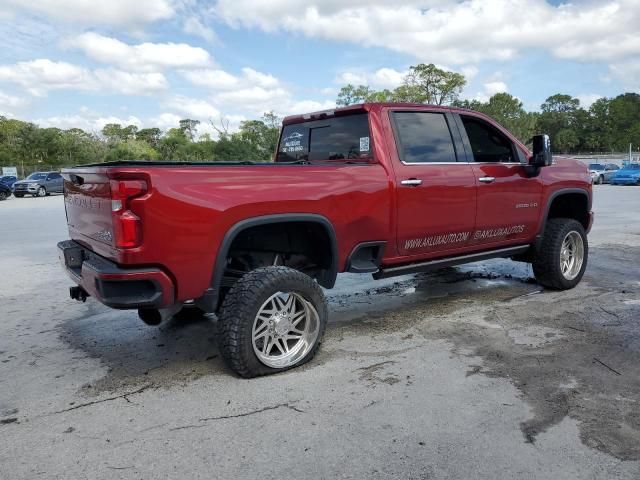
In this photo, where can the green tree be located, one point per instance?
(562, 113)
(189, 128)
(171, 142)
(132, 150)
(350, 95)
(434, 85)
(150, 135)
(423, 84)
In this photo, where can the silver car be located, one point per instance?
(39, 184)
(602, 172)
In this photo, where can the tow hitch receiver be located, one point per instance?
(78, 293)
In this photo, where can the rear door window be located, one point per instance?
(337, 138)
(423, 137)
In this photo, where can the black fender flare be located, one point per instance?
(209, 301)
(547, 208)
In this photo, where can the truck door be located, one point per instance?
(435, 193)
(508, 201)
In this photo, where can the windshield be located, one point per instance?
(596, 166)
(336, 138)
(37, 176)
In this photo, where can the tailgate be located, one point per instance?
(87, 196)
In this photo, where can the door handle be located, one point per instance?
(487, 179)
(411, 182)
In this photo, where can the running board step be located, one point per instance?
(449, 262)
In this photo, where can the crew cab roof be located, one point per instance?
(364, 107)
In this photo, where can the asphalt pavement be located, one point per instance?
(471, 373)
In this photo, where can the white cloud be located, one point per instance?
(490, 88)
(353, 78)
(193, 108)
(10, 101)
(381, 78)
(469, 72)
(260, 79)
(144, 57)
(628, 73)
(40, 76)
(84, 13)
(216, 79)
(256, 100)
(166, 120)
(193, 26)
(451, 32)
(130, 83)
(588, 99)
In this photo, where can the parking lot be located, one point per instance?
(474, 372)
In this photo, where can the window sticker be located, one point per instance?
(292, 143)
(364, 144)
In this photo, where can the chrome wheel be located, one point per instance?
(41, 192)
(284, 330)
(571, 255)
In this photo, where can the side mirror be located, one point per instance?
(541, 152)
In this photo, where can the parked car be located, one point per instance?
(39, 184)
(5, 192)
(602, 172)
(8, 180)
(385, 189)
(628, 175)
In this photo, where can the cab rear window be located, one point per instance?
(336, 138)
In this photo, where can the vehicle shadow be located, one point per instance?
(184, 348)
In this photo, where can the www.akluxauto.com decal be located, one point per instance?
(461, 237)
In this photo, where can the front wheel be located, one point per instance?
(3, 196)
(272, 320)
(600, 180)
(41, 192)
(561, 259)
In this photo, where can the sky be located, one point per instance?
(85, 63)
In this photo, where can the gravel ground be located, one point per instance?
(475, 372)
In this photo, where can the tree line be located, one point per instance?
(24, 143)
(608, 125)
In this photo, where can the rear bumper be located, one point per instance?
(112, 285)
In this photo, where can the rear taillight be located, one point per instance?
(127, 227)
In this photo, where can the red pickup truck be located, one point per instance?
(383, 189)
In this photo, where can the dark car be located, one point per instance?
(8, 180)
(39, 184)
(5, 191)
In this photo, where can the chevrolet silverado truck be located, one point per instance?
(382, 189)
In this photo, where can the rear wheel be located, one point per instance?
(562, 258)
(41, 192)
(272, 319)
